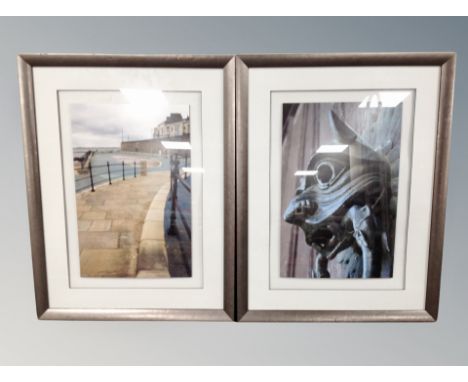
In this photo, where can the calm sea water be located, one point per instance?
(120, 163)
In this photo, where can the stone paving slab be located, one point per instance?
(93, 215)
(110, 224)
(153, 274)
(122, 225)
(98, 240)
(108, 262)
(153, 230)
(154, 215)
(83, 225)
(100, 225)
(152, 255)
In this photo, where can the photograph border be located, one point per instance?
(446, 62)
(26, 63)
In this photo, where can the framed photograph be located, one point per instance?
(341, 185)
(131, 191)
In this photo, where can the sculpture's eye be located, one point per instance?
(325, 173)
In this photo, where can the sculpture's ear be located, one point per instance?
(346, 135)
(343, 132)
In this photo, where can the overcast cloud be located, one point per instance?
(101, 125)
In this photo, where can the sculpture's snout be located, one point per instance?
(298, 209)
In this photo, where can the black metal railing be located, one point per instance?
(105, 173)
(176, 179)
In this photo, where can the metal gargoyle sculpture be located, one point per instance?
(343, 206)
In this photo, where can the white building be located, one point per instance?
(173, 126)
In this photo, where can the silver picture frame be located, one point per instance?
(26, 63)
(446, 62)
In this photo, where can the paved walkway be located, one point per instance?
(110, 224)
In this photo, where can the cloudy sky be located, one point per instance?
(101, 125)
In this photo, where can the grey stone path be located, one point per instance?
(110, 224)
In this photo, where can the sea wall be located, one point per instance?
(151, 146)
